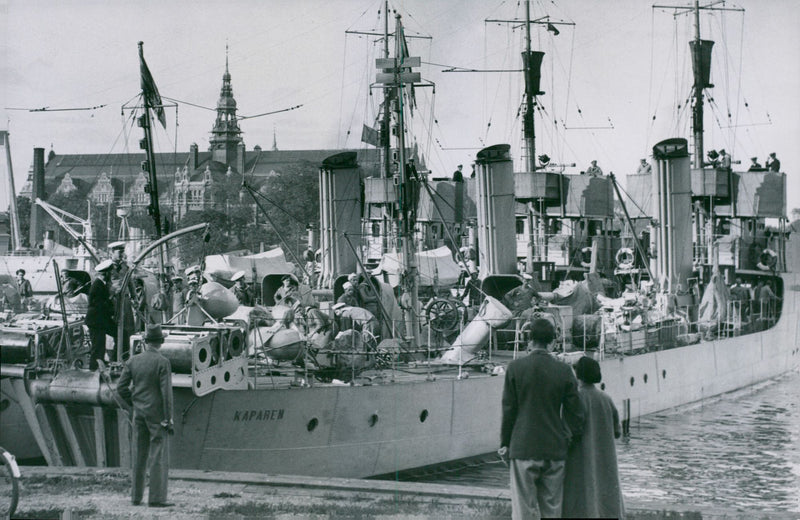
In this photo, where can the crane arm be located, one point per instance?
(61, 216)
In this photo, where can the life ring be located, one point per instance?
(625, 258)
(586, 256)
(767, 260)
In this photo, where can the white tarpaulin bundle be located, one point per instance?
(435, 266)
(268, 262)
(713, 306)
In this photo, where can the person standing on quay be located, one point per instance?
(100, 313)
(538, 391)
(591, 476)
(146, 385)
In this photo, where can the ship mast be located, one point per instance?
(409, 249)
(701, 69)
(528, 126)
(697, 109)
(149, 96)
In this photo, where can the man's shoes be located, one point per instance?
(160, 504)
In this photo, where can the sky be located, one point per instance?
(615, 82)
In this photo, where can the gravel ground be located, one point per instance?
(106, 495)
(83, 493)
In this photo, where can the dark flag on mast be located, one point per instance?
(370, 136)
(150, 91)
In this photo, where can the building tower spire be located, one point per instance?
(226, 135)
(274, 139)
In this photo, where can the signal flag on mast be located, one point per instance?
(150, 91)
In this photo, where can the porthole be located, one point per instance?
(227, 376)
(312, 424)
(663, 374)
(197, 384)
(202, 355)
(602, 386)
(423, 415)
(373, 420)
(213, 380)
(631, 380)
(645, 378)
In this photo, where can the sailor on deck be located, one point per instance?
(124, 310)
(349, 297)
(772, 163)
(240, 289)
(100, 313)
(458, 176)
(178, 295)
(644, 168)
(724, 159)
(594, 170)
(287, 293)
(755, 166)
(24, 287)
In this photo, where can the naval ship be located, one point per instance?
(411, 403)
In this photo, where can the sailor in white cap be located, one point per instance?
(193, 274)
(194, 279)
(100, 314)
(240, 289)
(287, 293)
(119, 270)
(349, 297)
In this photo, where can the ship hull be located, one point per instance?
(359, 431)
(365, 430)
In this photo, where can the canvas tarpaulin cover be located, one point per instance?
(268, 262)
(434, 265)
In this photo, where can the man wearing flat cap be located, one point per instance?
(146, 385)
(100, 313)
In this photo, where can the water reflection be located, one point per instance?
(738, 451)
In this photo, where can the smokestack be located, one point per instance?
(496, 220)
(37, 214)
(340, 215)
(672, 189)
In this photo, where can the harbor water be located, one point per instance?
(740, 450)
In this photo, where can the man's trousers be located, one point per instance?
(150, 455)
(536, 488)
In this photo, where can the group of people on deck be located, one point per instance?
(559, 433)
(359, 291)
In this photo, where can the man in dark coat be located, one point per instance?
(240, 289)
(100, 313)
(23, 285)
(146, 385)
(773, 164)
(124, 309)
(539, 390)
